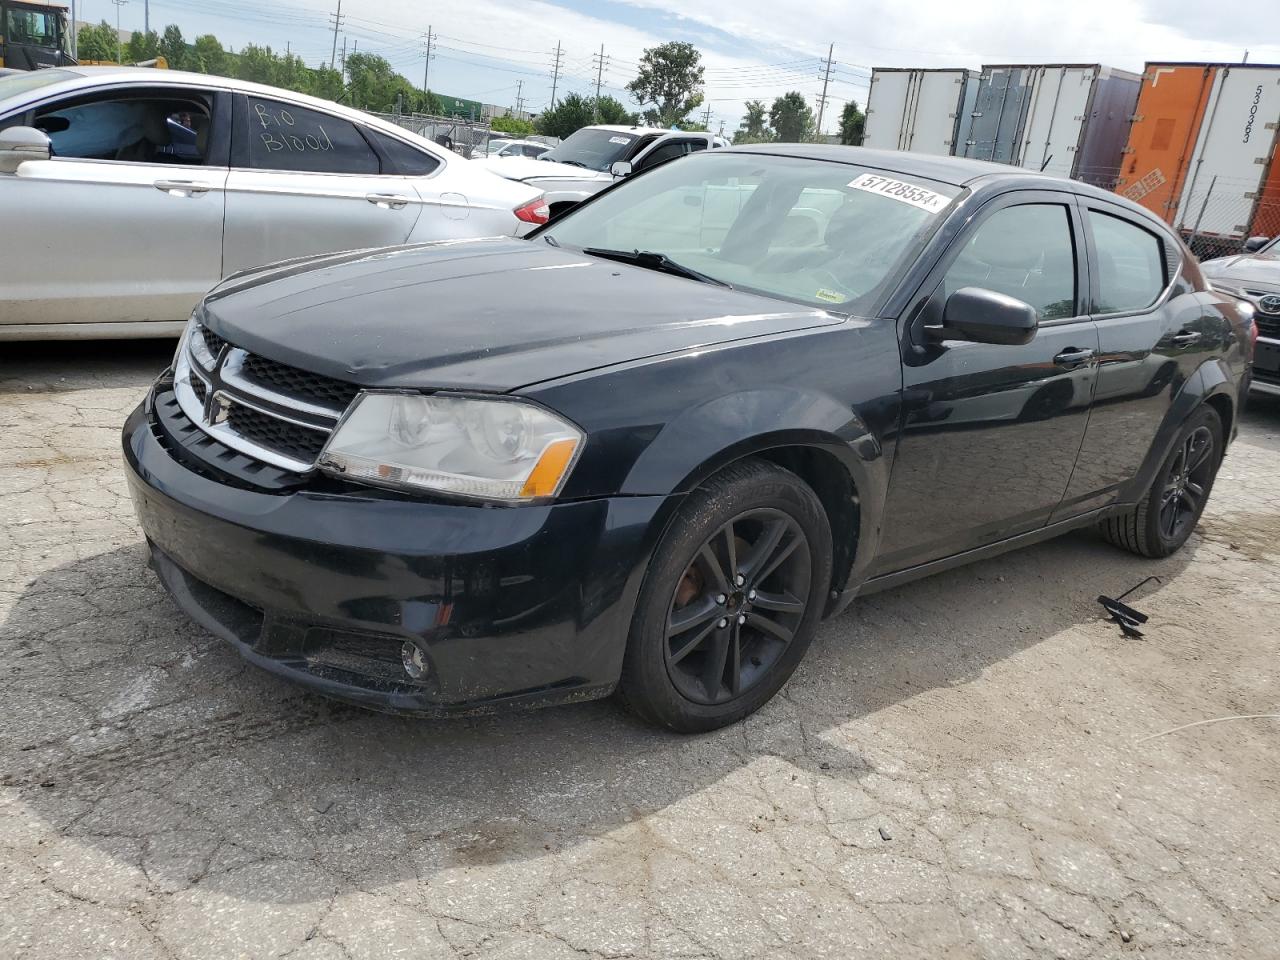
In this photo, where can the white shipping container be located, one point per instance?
(1055, 118)
(917, 110)
(1233, 151)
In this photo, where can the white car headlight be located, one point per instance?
(490, 449)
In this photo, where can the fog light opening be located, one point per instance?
(414, 660)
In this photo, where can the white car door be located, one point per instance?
(305, 182)
(124, 222)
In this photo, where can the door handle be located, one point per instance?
(387, 201)
(1186, 338)
(1072, 358)
(181, 188)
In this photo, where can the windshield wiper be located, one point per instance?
(572, 163)
(652, 260)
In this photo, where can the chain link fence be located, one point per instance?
(470, 138)
(1217, 217)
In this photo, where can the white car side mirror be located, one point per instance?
(20, 144)
(620, 168)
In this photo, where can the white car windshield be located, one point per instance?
(813, 231)
(591, 148)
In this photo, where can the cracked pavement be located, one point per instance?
(957, 769)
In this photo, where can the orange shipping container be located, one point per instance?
(1266, 222)
(1167, 120)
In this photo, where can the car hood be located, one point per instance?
(531, 168)
(1246, 268)
(491, 315)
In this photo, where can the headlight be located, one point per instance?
(486, 449)
(182, 341)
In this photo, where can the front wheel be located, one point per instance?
(1165, 517)
(731, 601)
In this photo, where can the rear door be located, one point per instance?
(304, 181)
(989, 432)
(124, 222)
(1154, 333)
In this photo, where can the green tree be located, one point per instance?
(97, 43)
(852, 124)
(258, 65)
(207, 56)
(670, 81)
(174, 48)
(791, 118)
(142, 46)
(610, 110)
(755, 124)
(572, 113)
(512, 125)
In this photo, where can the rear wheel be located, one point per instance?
(731, 601)
(1164, 519)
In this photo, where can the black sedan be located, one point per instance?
(650, 447)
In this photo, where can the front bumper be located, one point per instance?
(1266, 367)
(522, 606)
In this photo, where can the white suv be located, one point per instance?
(594, 157)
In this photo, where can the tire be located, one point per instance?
(1146, 530)
(706, 651)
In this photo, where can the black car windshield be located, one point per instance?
(592, 148)
(814, 231)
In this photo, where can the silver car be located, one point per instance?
(1255, 277)
(127, 193)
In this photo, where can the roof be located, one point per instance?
(957, 171)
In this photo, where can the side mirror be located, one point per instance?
(20, 144)
(621, 168)
(1254, 244)
(985, 316)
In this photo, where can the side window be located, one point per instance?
(667, 151)
(697, 145)
(136, 129)
(1025, 252)
(1131, 267)
(403, 158)
(287, 137)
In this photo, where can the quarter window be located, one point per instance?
(1130, 264)
(1024, 252)
(287, 137)
(404, 159)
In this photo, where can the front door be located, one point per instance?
(124, 222)
(990, 433)
(306, 182)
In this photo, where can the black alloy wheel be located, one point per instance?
(737, 606)
(1168, 512)
(1186, 484)
(732, 598)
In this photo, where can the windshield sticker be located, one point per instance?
(622, 140)
(901, 191)
(830, 296)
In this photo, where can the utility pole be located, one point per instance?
(337, 19)
(555, 76)
(519, 108)
(706, 118)
(75, 46)
(600, 60)
(826, 78)
(146, 17)
(426, 67)
(343, 61)
(119, 49)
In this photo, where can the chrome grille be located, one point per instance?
(267, 410)
(1266, 313)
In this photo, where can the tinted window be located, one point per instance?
(593, 148)
(1025, 252)
(1130, 264)
(133, 130)
(286, 137)
(668, 151)
(403, 158)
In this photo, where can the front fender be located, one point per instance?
(1213, 378)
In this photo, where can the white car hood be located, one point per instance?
(529, 168)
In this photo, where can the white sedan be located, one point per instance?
(127, 193)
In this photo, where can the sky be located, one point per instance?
(498, 50)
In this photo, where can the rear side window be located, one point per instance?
(1131, 267)
(287, 137)
(403, 158)
(1025, 252)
